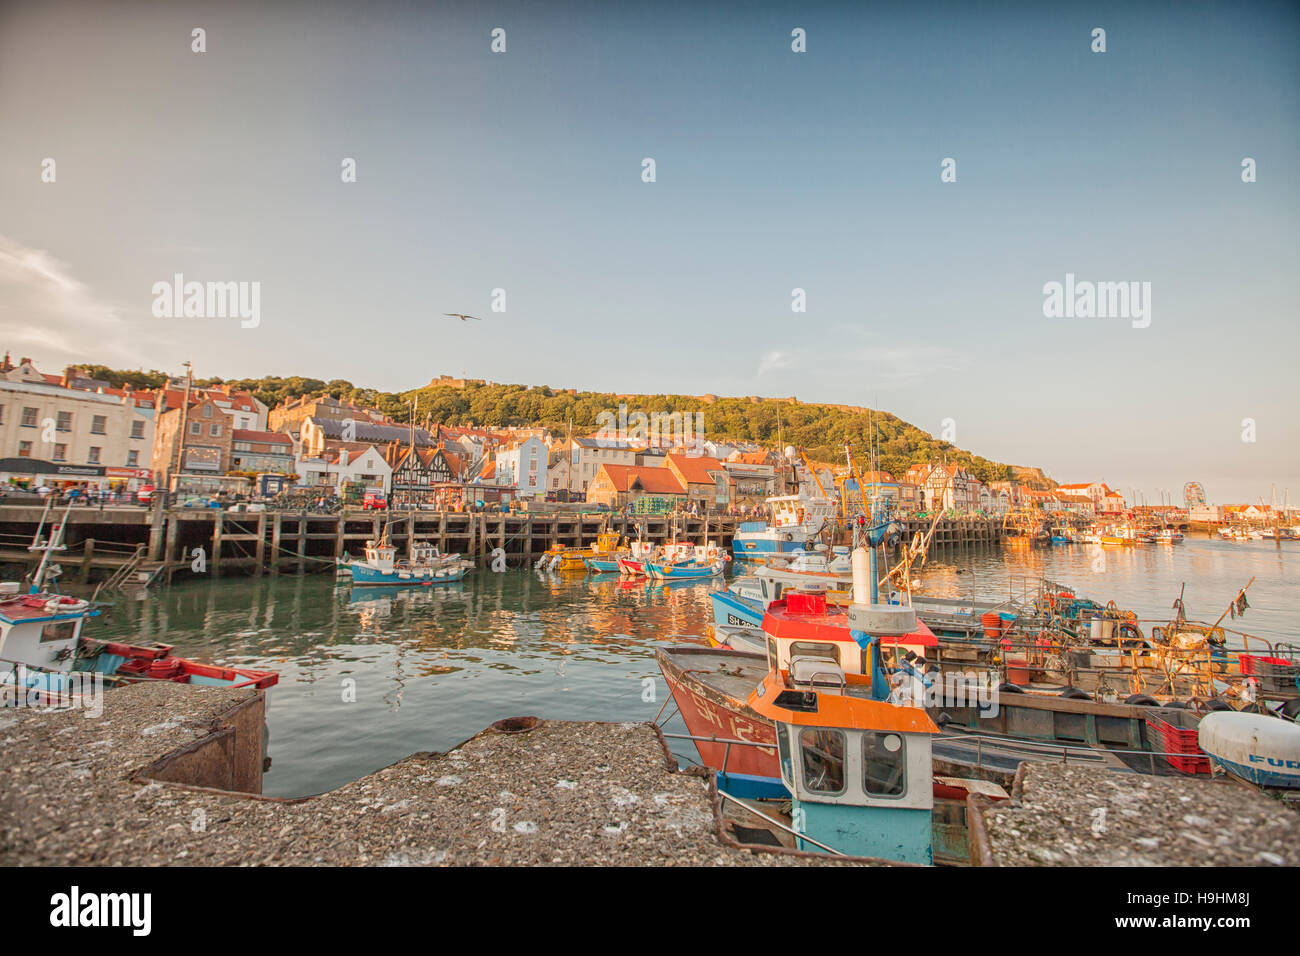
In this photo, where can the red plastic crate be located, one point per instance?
(1181, 746)
(1250, 663)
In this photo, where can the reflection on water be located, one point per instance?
(1145, 579)
(430, 667)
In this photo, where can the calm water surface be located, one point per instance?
(433, 666)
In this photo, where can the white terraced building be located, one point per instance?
(51, 434)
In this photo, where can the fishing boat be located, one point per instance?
(1259, 749)
(713, 699)
(859, 770)
(795, 523)
(604, 553)
(810, 568)
(1062, 535)
(49, 658)
(1169, 536)
(1118, 536)
(958, 618)
(631, 562)
(685, 570)
(741, 604)
(380, 567)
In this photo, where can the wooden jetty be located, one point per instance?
(119, 545)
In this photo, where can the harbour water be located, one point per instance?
(369, 676)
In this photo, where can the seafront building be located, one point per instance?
(50, 434)
(523, 464)
(342, 465)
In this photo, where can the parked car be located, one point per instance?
(374, 500)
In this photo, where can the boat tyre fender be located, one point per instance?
(1010, 689)
(1178, 704)
(789, 536)
(1217, 703)
(1141, 700)
(1291, 709)
(1073, 693)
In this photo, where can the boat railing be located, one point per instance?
(726, 754)
(1047, 746)
(777, 823)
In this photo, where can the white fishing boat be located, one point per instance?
(795, 523)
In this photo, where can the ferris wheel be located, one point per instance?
(1193, 494)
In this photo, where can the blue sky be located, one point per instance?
(775, 170)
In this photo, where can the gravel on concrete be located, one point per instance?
(74, 791)
(1064, 815)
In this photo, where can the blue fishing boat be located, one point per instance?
(732, 608)
(601, 565)
(796, 522)
(685, 571)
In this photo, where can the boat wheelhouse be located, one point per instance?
(859, 771)
(796, 520)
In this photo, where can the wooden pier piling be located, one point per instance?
(99, 542)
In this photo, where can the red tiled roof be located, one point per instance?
(266, 438)
(653, 480)
(695, 469)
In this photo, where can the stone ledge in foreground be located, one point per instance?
(1063, 815)
(131, 788)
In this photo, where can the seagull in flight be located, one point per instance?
(462, 316)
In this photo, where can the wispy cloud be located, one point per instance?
(49, 314)
(853, 359)
(773, 360)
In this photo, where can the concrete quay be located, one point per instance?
(1063, 815)
(169, 775)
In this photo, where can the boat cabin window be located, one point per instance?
(58, 631)
(821, 752)
(773, 656)
(809, 649)
(783, 752)
(884, 764)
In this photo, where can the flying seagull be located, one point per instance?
(462, 316)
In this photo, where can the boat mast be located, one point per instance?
(55, 543)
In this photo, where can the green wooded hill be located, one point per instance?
(820, 430)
